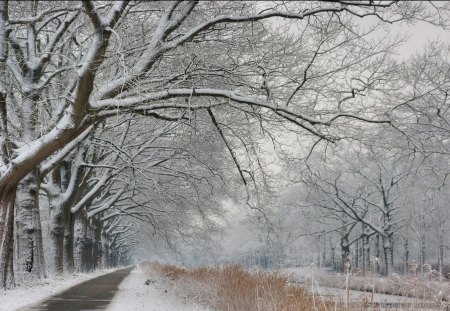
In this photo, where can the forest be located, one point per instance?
(271, 134)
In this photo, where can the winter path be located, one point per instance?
(135, 295)
(93, 294)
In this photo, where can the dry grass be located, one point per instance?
(232, 288)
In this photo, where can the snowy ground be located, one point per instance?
(305, 274)
(134, 295)
(27, 294)
(359, 296)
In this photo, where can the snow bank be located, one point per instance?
(134, 295)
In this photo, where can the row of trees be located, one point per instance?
(121, 115)
(377, 200)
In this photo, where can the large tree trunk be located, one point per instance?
(7, 202)
(82, 244)
(388, 252)
(96, 251)
(365, 249)
(57, 228)
(345, 255)
(87, 248)
(29, 233)
(69, 261)
(105, 250)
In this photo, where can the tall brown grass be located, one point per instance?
(232, 288)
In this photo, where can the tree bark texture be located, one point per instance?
(29, 233)
(69, 261)
(57, 228)
(7, 202)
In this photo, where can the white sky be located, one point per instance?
(419, 33)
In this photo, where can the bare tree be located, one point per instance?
(69, 66)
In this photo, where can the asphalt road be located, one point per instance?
(94, 294)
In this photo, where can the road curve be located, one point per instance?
(93, 294)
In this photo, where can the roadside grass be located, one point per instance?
(231, 288)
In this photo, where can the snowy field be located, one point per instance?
(318, 280)
(134, 295)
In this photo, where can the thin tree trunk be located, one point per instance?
(378, 254)
(406, 257)
(333, 262)
(441, 249)
(422, 252)
(324, 252)
(7, 202)
(366, 253)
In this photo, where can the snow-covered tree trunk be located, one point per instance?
(377, 254)
(96, 248)
(69, 233)
(388, 255)
(365, 248)
(345, 254)
(62, 190)
(105, 249)
(57, 229)
(28, 223)
(78, 242)
(7, 202)
(87, 248)
(87, 253)
(83, 244)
